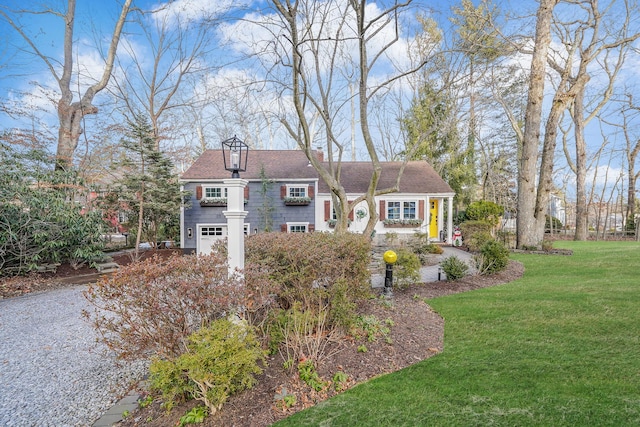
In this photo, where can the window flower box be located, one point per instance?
(213, 201)
(332, 223)
(402, 223)
(297, 201)
(216, 201)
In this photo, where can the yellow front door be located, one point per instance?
(433, 218)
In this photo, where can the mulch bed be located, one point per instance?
(65, 275)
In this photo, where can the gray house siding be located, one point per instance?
(255, 206)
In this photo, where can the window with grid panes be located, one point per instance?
(297, 228)
(297, 191)
(393, 210)
(215, 192)
(409, 210)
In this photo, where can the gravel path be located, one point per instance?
(52, 371)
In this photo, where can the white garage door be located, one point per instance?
(208, 235)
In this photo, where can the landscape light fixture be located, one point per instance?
(235, 153)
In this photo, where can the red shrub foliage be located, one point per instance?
(150, 307)
(313, 269)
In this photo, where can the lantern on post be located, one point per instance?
(390, 258)
(235, 153)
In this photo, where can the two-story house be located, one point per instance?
(286, 194)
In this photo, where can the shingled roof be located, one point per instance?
(278, 165)
(418, 177)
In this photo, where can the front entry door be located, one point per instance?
(433, 216)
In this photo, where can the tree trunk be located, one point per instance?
(631, 199)
(526, 230)
(69, 131)
(70, 114)
(581, 169)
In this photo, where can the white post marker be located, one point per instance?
(235, 215)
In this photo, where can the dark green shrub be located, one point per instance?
(454, 268)
(41, 219)
(552, 224)
(486, 211)
(406, 269)
(219, 360)
(493, 257)
(469, 228)
(477, 240)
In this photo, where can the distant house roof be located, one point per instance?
(418, 177)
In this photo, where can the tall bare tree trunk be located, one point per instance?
(581, 169)
(526, 231)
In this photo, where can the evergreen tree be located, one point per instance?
(148, 186)
(266, 210)
(432, 135)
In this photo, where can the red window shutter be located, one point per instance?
(311, 191)
(421, 209)
(383, 211)
(283, 191)
(283, 228)
(198, 192)
(327, 210)
(312, 228)
(246, 192)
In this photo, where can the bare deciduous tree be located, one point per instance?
(151, 75)
(592, 39)
(70, 112)
(312, 41)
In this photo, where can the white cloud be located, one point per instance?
(606, 176)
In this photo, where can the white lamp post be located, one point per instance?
(235, 154)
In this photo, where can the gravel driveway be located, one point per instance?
(52, 371)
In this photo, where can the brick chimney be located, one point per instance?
(320, 154)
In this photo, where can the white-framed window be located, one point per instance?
(212, 231)
(409, 210)
(297, 191)
(298, 227)
(218, 230)
(402, 210)
(393, 210)
(215, 192)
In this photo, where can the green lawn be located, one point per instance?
(559, 347)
